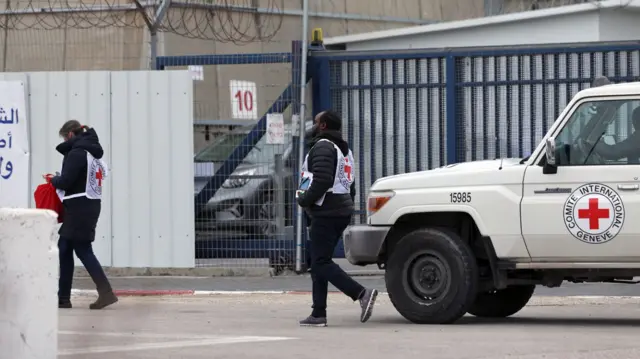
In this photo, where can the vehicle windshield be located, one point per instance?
(265, 153)
(223, 146)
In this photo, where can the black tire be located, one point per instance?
(442, 259)
(265, 215)
(502, 303)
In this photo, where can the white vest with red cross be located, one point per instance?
(341, 182)
(96, 174)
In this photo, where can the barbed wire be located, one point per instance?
(236, 21)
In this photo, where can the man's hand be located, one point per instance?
(300, 198)
(47, 177)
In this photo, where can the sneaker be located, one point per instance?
(367, 301)
(104, 300)
(313, 322)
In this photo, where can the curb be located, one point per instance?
(203, 293)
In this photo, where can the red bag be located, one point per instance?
(47, 198)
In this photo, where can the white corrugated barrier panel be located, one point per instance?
(144, 120)
(28, 284)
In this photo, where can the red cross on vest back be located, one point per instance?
(347, 168)
(593, 213)
(99, 176)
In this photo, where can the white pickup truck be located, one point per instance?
(478, 237)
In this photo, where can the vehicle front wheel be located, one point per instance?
(432, 276)
(265, 217)
(502, 303)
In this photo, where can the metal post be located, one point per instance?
(280, 198)
(303, 85)
(153, 32)
(153, 48)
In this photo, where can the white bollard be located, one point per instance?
(28, 284)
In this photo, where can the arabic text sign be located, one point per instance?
(14, 146)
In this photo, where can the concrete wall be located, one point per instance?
(42, 42)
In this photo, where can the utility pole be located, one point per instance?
(301, 133)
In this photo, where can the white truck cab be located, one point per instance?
(477, 237)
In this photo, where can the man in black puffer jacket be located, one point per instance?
(80, 185)
(326, 193)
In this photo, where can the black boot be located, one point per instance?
(106, 297)
(64, 304)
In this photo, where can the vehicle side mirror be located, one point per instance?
(550, 166)
(609, 140)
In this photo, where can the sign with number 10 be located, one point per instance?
(244, 103)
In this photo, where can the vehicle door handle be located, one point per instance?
(628, 187)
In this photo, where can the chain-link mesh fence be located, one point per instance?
(245, 166)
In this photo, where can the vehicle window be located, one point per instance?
(265, 153)
(221, 148)
(601, 133)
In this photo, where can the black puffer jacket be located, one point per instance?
(322, 162)
(81, 213)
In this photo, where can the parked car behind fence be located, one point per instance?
(247, 201)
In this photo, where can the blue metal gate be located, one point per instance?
(411, 111)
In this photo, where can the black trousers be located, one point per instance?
(324, 235)
(84, 251)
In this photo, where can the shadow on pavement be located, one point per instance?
(519, 321)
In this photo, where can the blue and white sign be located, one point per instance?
(14, 146)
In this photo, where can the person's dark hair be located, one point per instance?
(635, 118)
(332, 120)
(71, 126)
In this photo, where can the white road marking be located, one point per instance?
(142, 335)
(168, 345)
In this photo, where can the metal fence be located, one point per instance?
(402, 111)
(245, 176)
(417, 110)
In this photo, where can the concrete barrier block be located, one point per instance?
(28, 284)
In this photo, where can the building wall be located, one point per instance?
(584, 28)
(619, 24)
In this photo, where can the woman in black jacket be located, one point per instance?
(80, 187)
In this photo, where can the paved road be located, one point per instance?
(303, 283)
(265, 326)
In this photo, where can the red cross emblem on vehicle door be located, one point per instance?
(593, 213)
(99, 176)
(347, 168)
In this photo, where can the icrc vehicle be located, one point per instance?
(477, 237)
